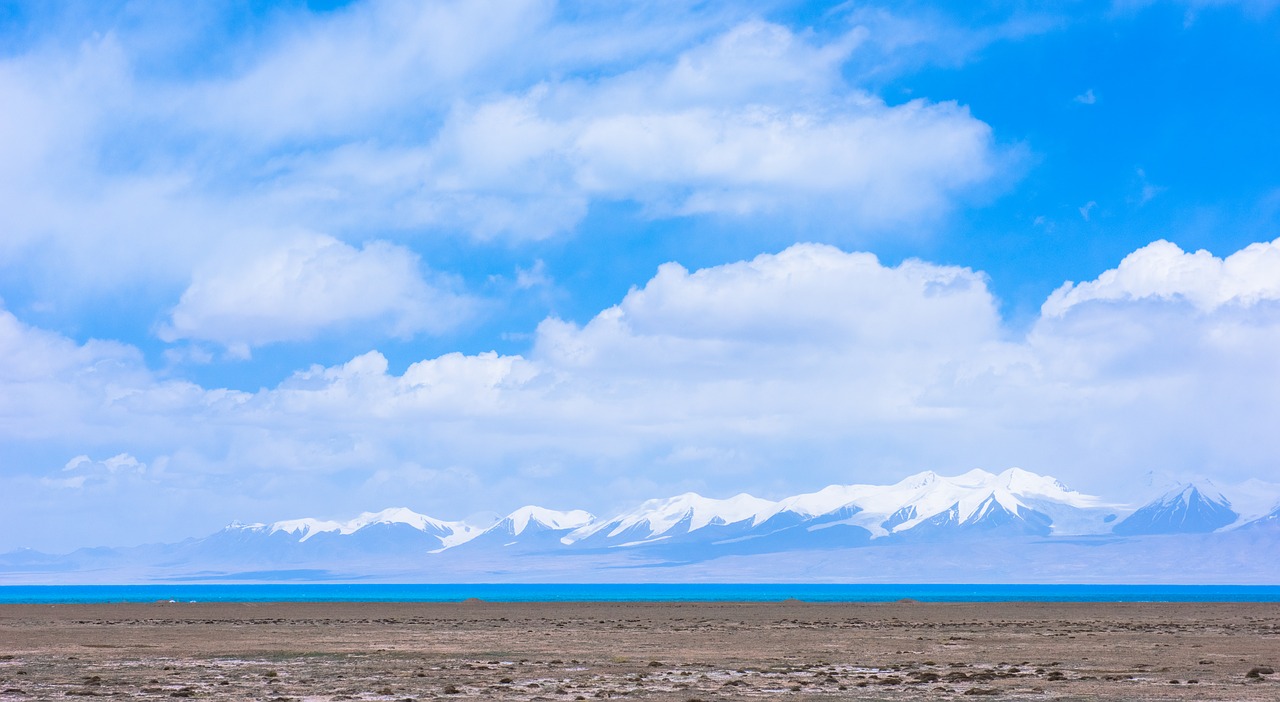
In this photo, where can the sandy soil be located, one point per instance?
(788, 651)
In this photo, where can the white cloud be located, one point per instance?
(892, 43)
(880, 164)
(534, 277)
(1147, 191)
(777, 374)
(1162, 270)
(95, 473)
(1086, 98)
(756, 119)
(485, 119)
(833, 361)
(753, 63)
(50, 382)
(308, 285)
(331, 75)
(807, 297)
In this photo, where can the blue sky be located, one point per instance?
(264, 260)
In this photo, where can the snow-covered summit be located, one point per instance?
(977, 496)
(528, 516)
(450, 533)
(655, 518)
(919, 498)
(1028, 484)
(1188, 492)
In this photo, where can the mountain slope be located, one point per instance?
(388, 534)
(1015, 501)
(949, 520)
(530, 528)
(1187, 509)
(1271, 520)
(673, 518)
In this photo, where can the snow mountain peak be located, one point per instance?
(689, 511)
(531, 516)
(307, 529)
(1203, 489)
(1190, 508)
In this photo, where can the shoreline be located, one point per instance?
(548, 593)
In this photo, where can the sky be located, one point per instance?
(271, 260)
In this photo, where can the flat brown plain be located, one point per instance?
(649, 651)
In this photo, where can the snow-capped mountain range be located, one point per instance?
(924, 516)
(1015, 501)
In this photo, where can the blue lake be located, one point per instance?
(661, 592)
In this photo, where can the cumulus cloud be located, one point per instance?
(1162, 270)
(50, 383)
(832, 360)
(307, 285)
(721, 319)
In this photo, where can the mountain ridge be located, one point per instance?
(1023, 515)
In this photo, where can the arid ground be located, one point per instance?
(783, 651)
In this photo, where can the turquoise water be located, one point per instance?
(58, 594)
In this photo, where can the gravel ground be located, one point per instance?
(648, 651)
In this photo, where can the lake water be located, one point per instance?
(671, 592)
